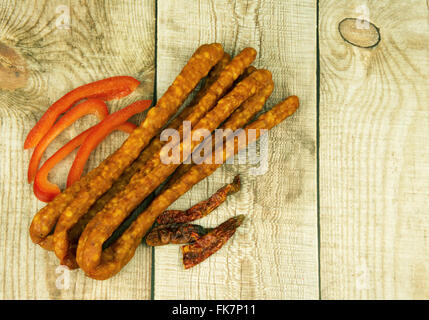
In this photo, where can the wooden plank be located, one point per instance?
(374, 175)
(40, 60)
(274, 254)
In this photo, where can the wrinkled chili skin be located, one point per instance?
(202, 208)
(176, 233)
(204, 247)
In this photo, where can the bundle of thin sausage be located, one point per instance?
(79, 221)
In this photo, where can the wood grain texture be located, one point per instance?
(43, 61)
(374, 173)
(273, 255)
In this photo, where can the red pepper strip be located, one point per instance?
(101, 130)
(106, 89)
(46, 191)
(91, 106)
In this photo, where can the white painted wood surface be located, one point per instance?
(274, 254)
(374, 171)
(373, 126)
(101, 42)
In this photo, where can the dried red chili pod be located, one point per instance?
(202, 208)
(205, 246)
(177, 233)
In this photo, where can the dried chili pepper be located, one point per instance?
(46, 191)
(106, 89)
(100, 131)
(202, 208)
(176, 233)
(205, 246)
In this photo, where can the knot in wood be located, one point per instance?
(13, 69)
(360, 33)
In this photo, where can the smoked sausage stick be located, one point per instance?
(217, 89)
(141, 185)
(104, 264)
(81, 195)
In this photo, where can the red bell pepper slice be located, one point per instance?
(101, 130)
(45, 190)
(106, 89)
(91, 106)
